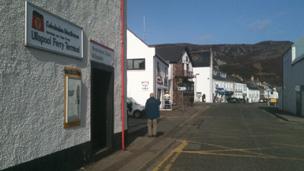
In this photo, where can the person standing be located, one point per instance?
(204, 98)
(152, 112)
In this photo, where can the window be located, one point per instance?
(136, 64)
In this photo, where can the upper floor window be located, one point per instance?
(136, 64)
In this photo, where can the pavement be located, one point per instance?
(142, 150)
(286, 116)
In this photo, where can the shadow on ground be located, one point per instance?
(141, 130)
(277, 112)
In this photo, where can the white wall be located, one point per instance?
(253, 95)
(202, 83)
(228, 86)
(136, 48)
(32, 81)
(163, 73)
(186, 60)
(170, 78)
(239, 90)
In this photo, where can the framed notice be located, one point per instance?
(72, 96)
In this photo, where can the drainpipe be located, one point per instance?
(122, 65)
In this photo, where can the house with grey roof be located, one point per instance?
(202, 71)
(180, 75)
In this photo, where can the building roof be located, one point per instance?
(227, 79)
(201, 58)
(162, 59)
(172, 54)
(252, 86)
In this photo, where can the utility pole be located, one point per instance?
(144, 25)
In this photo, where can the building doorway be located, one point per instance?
(102, 96)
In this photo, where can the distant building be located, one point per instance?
(180, 73)
(147, 71)
(202, 72)
(239, 90)
(293, 82)
(221, 82)
(220, 87)
(253, 93)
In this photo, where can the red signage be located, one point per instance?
(37, 21)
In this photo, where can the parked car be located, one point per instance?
(235, 100)
(134, 109)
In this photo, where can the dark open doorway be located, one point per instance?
(101, 107)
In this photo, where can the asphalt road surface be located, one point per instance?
(236, 137)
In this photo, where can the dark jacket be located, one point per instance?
(152, 108)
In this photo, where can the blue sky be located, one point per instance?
(216, 21)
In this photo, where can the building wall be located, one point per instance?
(228, 86)
(160, 69)
(170, 80)
(280, 102)
(186, 61)
(239, 90)
(202, 83)
(291, 79)
(289, 93)
(180, 78)
(138, 79)
(32, 81)
(253, 96)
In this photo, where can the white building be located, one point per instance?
(147, 71)
(253, 94)
(293, 81)
(239, 90)
(206, 80)
(221, 84)
(202, 72)
(57, 105)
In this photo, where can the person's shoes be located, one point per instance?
(150, 135)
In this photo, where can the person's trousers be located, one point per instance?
(152, 127)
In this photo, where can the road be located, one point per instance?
(236, 137)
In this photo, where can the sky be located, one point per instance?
(215, 21)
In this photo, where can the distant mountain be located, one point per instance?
(262, 60)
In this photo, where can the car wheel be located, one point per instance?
(137, 114)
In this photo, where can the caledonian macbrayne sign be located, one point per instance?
(49, 32)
